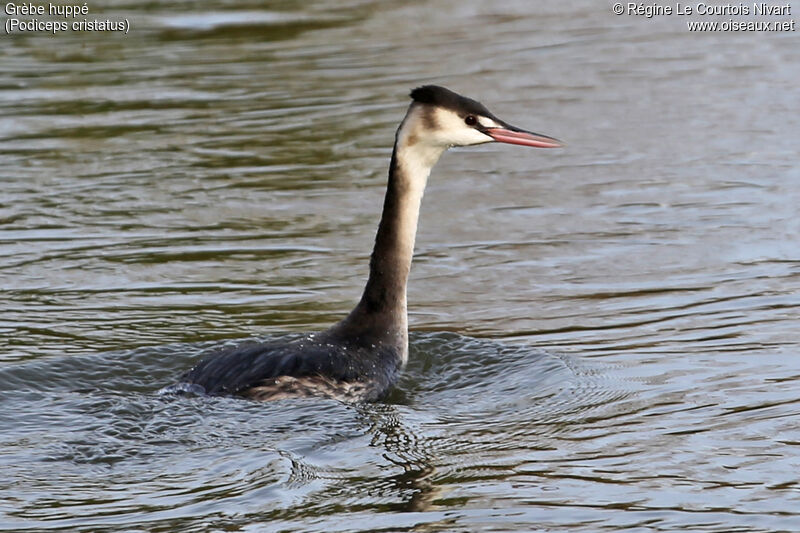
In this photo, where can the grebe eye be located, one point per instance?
(470, 120)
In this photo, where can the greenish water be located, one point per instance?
(604, 337)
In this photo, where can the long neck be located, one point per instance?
(390, 263)
(381, 312)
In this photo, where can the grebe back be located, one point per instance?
(359, 358)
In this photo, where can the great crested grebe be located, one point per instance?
(359, 358)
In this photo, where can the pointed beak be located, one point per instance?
(512, 135)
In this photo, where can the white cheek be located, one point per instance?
(454, 132)
(488, 123)
(465, 137)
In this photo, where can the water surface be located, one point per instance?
(603, 337)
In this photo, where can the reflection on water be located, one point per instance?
(249, 458)
(605, 336)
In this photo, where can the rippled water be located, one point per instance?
(603, 337)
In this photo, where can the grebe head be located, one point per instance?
(439, 119)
